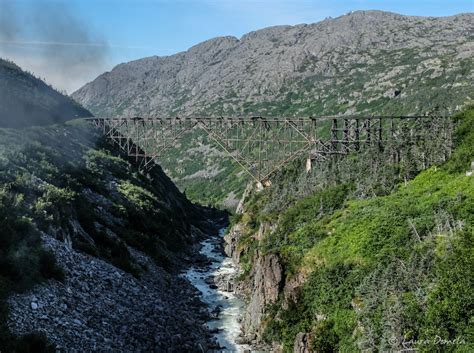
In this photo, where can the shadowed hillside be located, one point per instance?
(26, 100)
(78, 221)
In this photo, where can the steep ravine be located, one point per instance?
(132, 264)
(100, 307)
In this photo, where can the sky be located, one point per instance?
(70, 42)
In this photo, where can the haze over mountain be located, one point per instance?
(54, 40)
(26, 100)
(365, 61)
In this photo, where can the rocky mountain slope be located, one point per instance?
(100, 307)
(355, 256)
(26, 100)
(366, 62)
(91, 249)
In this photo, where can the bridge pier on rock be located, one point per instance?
(308, 165)
(262, 146)
(260, 185)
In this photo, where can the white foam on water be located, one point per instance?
(232, 307)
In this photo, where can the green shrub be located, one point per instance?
(137, 195)
(33, 343)
(48, 267)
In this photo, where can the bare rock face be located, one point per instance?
(362, 61)
(267, 275)
(302, 343)
(231, 240)
(264, 283)
(291, 289)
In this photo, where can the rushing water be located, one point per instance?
(227, 322)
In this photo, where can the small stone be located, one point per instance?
(242, 340)
(34, 305)
(176, 339)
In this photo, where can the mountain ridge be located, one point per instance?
(215, 72)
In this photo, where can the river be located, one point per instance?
(228, 306)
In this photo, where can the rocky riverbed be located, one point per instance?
(101, 308)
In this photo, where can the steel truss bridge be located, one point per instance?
(261, 146)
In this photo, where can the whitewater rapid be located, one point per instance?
(231, 307)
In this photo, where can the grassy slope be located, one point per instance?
(44, 175)
(386, 269)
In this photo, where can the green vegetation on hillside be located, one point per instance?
(202, 170)
(67, 182)
(387, 270)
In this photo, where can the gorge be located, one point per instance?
(365, 252)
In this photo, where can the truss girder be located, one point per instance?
(261, 146)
